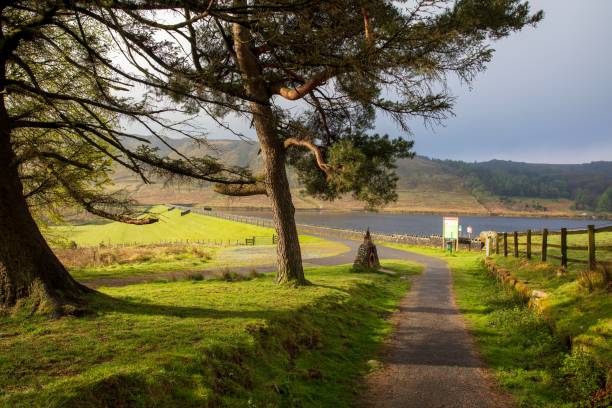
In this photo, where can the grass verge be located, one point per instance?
(529, 359)
(204, 343)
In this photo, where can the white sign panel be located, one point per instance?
(450, 227)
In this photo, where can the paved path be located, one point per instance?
(429, 361)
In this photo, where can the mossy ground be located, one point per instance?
(205, 343)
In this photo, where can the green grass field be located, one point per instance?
(530, 360)
(170, 228)
(141, 253)
(205, 343)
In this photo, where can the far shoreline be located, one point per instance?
(604, 217)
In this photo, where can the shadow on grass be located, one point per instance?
(101, 304)
(309, 356)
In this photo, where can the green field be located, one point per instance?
(119, 262)
(530, 359)
(205, 343)
(176, 243)
(172, 227)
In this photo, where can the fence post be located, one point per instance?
(528, 244)
(592, 259)
(544, 244)
(496, 244)
(506, 244)
(516, 244)
(564, 247)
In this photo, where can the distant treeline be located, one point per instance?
(589, 185)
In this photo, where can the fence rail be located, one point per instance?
(594, 254)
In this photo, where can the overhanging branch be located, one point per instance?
(241, 190)
(316, 151)
(308, 86)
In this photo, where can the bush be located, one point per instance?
(93, 257)
(587, 379)
(591, 280)
(195, 276)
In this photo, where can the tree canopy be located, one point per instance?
(310, 76)
(67, 112)
(387, 57)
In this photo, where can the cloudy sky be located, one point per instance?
(546, 96)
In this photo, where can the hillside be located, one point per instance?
(426, 185)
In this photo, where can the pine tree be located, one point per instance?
(59, 113)
(311, 76)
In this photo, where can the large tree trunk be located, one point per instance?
(290, 269)
(30, 273)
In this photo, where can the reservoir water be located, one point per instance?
(426, 224)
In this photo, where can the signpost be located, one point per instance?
(450, 230)
(469, 232)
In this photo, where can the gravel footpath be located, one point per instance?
(430, 360)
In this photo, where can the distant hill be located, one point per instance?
(425, 185)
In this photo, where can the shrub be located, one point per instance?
(195, 276)
(107, 258)
(591, 280)
(586, 378)
(88, 257)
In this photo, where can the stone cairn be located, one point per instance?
(367, 256)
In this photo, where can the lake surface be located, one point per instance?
(426, 224)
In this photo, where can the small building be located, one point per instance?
(367, 256)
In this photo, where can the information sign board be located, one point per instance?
(450, 227)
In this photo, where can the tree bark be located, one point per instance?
(30, 273)
(290, 269)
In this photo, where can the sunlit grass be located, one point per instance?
(171, 227)
(205, 343)
(119, 262)
(176, 243)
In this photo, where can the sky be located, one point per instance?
(545, 97)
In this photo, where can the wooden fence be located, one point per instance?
(261, 240)
(545, 245)
(212, 242)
